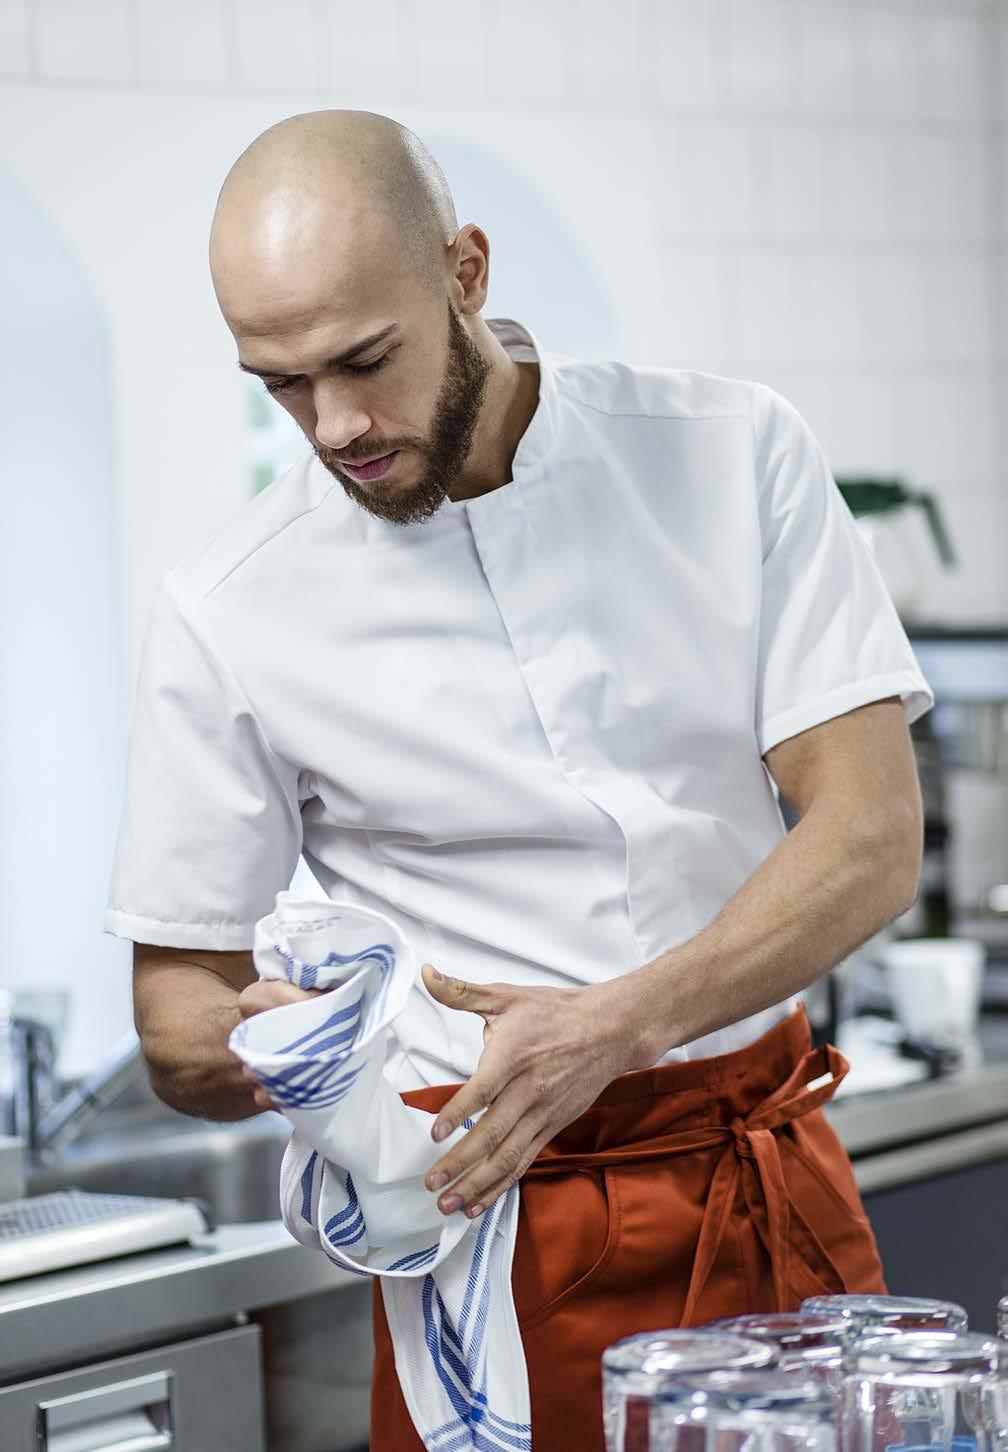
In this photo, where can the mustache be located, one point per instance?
(330, 456)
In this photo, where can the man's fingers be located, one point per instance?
(477, 1191)
(485, 998)
(478, 1094)
(267, 993)
(482, 1143)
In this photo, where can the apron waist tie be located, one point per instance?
(750, 1143)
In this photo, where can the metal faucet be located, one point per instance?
(32, 1109)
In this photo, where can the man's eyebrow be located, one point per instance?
(344, 357)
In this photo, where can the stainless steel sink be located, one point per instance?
(235, 1168)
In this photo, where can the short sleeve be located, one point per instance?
(211, 827)
(830, 638)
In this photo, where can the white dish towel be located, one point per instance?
(352, 1177)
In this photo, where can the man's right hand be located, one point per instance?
(259, 997)
(267, 993)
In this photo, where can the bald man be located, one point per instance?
(521, 654)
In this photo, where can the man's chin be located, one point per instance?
(406, 506)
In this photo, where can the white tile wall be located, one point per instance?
(533, 48)
(940, 185)
(894, 332)
(827, 38)
(278, 46)
(757, 55)
(93, 41)
(187, 43)
(956, 307)
(954, 65)
(798, 198)
(370, 52)
(691, 305)
(15, 42)
(999, 312)
(707, 178)
(444, 60)
(681, 66)
(821, 193)
(891, 79)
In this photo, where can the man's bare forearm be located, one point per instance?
(185, 1013)
(829, 885)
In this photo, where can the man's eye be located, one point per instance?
(369, 367)
(278, 385)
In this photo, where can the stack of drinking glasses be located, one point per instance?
(807, 1343)
(843, 1374)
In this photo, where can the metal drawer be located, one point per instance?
(203, 1395)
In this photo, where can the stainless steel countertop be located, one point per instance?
(893, 1136)
(868, 1123)
(54, 1319)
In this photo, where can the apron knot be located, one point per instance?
(752, 1157)
(740, 1135)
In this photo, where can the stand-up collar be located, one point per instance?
(537, 440)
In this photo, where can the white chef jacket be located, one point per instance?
(529, 729)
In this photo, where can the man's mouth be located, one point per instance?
(370, 468)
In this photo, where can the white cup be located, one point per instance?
(936, 985)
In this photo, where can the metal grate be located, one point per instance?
(73, 1227)
(63, 1209)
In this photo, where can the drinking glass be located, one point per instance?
(809, 1343)
(921, 1390)
(744, 1411)
(637, 1368)
(902, 1313)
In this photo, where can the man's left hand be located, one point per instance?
(547, 1055)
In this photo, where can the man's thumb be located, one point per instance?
(456, 993)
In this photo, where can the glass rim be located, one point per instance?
(642, 1353)
(926, 1351)
(770, 1390)
(854, 1306)
(793, 1330)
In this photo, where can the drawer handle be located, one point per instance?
(127, 1416)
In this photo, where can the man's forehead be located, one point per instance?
(292, 266)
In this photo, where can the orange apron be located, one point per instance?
(685, 1192)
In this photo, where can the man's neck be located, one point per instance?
(505, 421)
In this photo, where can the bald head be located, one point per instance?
(329, 198)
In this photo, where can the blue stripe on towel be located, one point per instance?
(352, 1207)
(347, 1227)
(474, 1272)
(305, 975)
(307, 1186)
(321, 1092)
(415, 1260)
(483, 1428)
(339, 1018)
(350, 1234)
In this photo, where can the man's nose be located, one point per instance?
(338, 419)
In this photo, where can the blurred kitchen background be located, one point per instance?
(813, 193)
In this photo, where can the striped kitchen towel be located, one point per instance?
(351, 1183)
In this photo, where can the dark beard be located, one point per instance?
(456, 414)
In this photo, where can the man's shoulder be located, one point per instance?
(266, 523)
(622, 389)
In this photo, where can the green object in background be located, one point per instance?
(880, 496)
